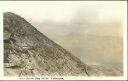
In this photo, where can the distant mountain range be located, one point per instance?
(95, 48)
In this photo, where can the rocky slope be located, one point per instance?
(28, 52)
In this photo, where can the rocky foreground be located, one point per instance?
(28, 52)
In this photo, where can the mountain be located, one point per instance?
(28, 52)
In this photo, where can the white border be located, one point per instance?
(124, 10)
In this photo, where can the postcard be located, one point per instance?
(63, 40)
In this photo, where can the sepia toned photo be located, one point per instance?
(58, 39)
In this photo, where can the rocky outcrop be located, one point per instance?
(28, 52)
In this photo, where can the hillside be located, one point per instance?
(28, 52)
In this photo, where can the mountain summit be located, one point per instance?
(28, 52)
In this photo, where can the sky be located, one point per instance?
(89, 16)
(77, 25)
